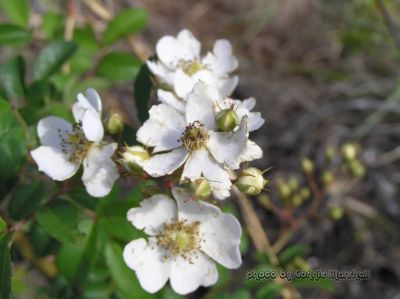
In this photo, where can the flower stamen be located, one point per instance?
(75, 144)
(190, 67)
(195, 136)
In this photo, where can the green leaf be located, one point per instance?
(12, 75)
(324, 284)
(126, 22)
(12, 142)
(25, 199)
(74, 261)
(13, 35)
(118, 66)
(5, 268)
(119, 228)
(291, 252)
(60, 221)
(3, 226)
(271, 290)
(52, 58)
(16, 10)
(53, 25)
(142, 90)
(86, 39)
(125, 279)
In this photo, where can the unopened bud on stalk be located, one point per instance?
(297, 200)
(251, 181)
(329, 154)
(327, 177)
(305, 193)
(133, 157)
(114, 123)
(283, 190)
(307, 166)
(201, 188)
(357, 170)
(293, 184)
(227, 120)
(349, 152)
(336, 213)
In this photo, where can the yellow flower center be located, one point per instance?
(194, 137)
(180, 239)
(190, 67)
(75, 144)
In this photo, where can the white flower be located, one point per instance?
(191, 139)
(65, 147)
(186, 238)
(180, 64)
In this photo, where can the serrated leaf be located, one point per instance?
(16, 10)
(12, 142)
(5, 268)
(291, 252)
(52, 58)
(142, 90)
(126, 22)
(125, 279)
(60, 221)
(118, 66)
(25, 200)
(12, 75)
(13, 35)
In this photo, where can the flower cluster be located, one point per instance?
(198, 134)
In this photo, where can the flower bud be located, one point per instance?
(329, 154)
(226, 120)
(293, 184)
(201, 188)
(307, 166)
(114, 123)
(357, 170)
(336, 213)
(305, 193)
(251, 181)
(349, 152)
(133, 158)
(283, 190)
(327, 177)
(297, 200)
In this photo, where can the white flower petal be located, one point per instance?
(191, 209)
(183, 83)
(153, 213)
(99, 171)
(221, 237)
(226, 86)
(221, 61)
(171, 50)
(54, 163)
(90, 101)
(170, 99)
(186, 277)
(92, 126)
(201, 105)
(249, 103)
(201, 164)
(146, 259)
(161, 72)
(163, 164)
(251, 152)
(51, 130)
(226, 147)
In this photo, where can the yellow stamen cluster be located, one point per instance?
(180, 239)
(75, 144)
(194, 137)
(190, 67)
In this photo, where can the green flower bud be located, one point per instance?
(327, 177)
(307, 166)
(297, 200)
(305, 193)
(133, 157)
(357, 170)
(336, 213)
(293, 184)
(201, 188)
(283, 190)
(251, 181)
(227, 120)
(349, 152)
(114, 123)
(329, 154)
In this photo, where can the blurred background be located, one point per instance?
(324, 73)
